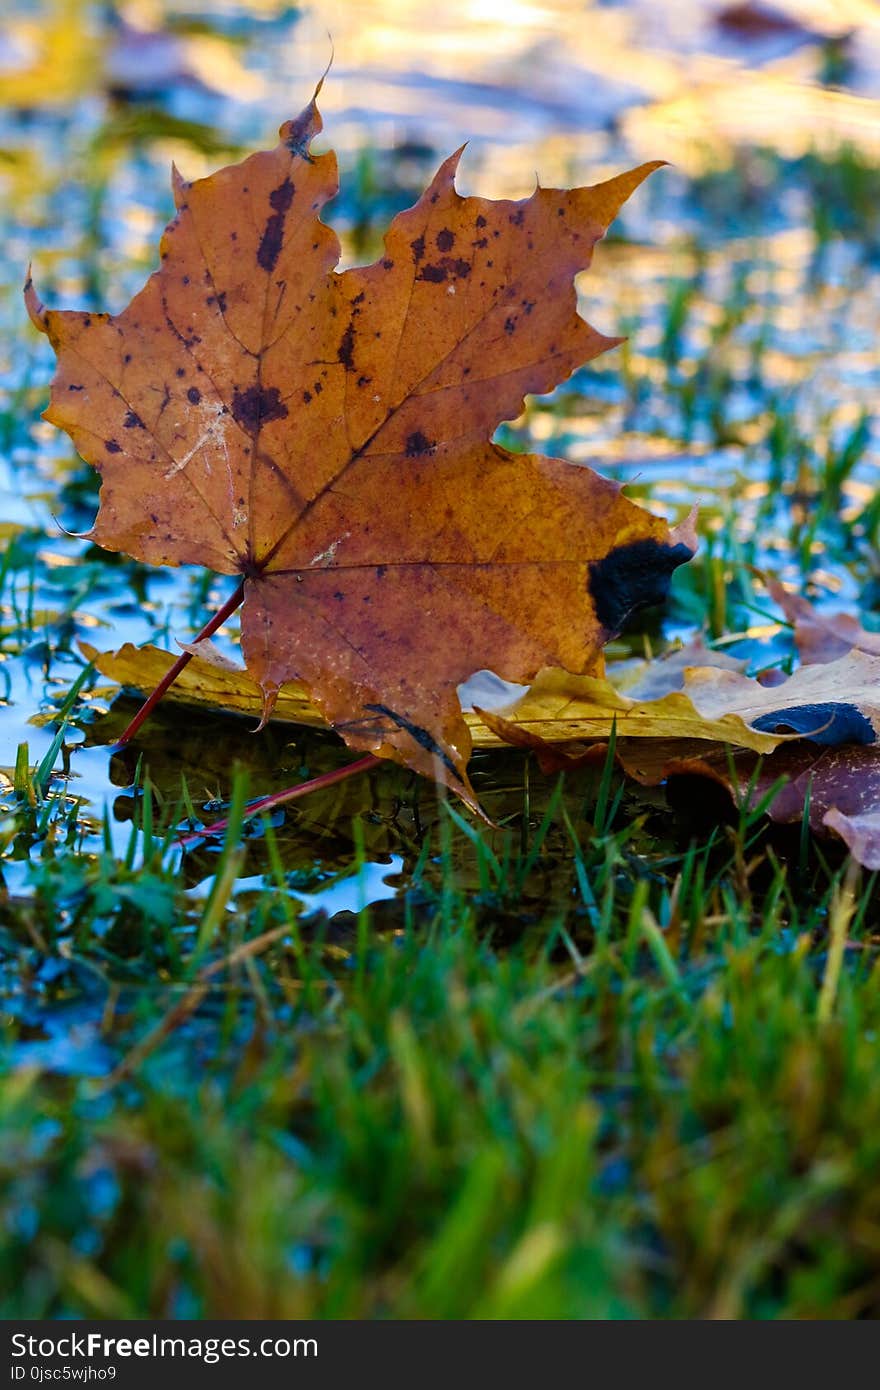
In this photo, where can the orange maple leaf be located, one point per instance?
(327, 437)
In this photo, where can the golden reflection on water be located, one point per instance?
(519, 76)
(669, 75)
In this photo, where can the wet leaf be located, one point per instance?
(566, 712)
(834, 704)
(327, 437)
(206, 681)
(557, 709)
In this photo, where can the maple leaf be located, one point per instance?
(327, 437)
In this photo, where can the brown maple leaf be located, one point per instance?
(327, 437)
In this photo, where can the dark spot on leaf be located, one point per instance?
(193, 395)
(418, 248)
(181, 371)
(272, 240)
(387, 264)
(256, 406)
(444, 268)
(445, 239)
(364, 380)
(185, 280)
(87, 322)
(481, 221)
(631, 577)
(346, 348)
(133, 421)
(112, 447)
(509, 325)
(381, 571)
(418, 445)
(282, 196)
(307, 396)
(480, 242)
(516, 219)
(359, 298)
(76, 388)
(127, 358)
(338, 595)
(828, 723)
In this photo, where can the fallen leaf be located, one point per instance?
(648, 680)
(821, 637)
(326, 436)
(558, 709)
(840, 785)
(835, 703)
(565, 711)
(208, 681)
(714, 703)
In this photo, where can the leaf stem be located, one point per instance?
(234, 601)
(269, 803)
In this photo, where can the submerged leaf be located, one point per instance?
(327, 436)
